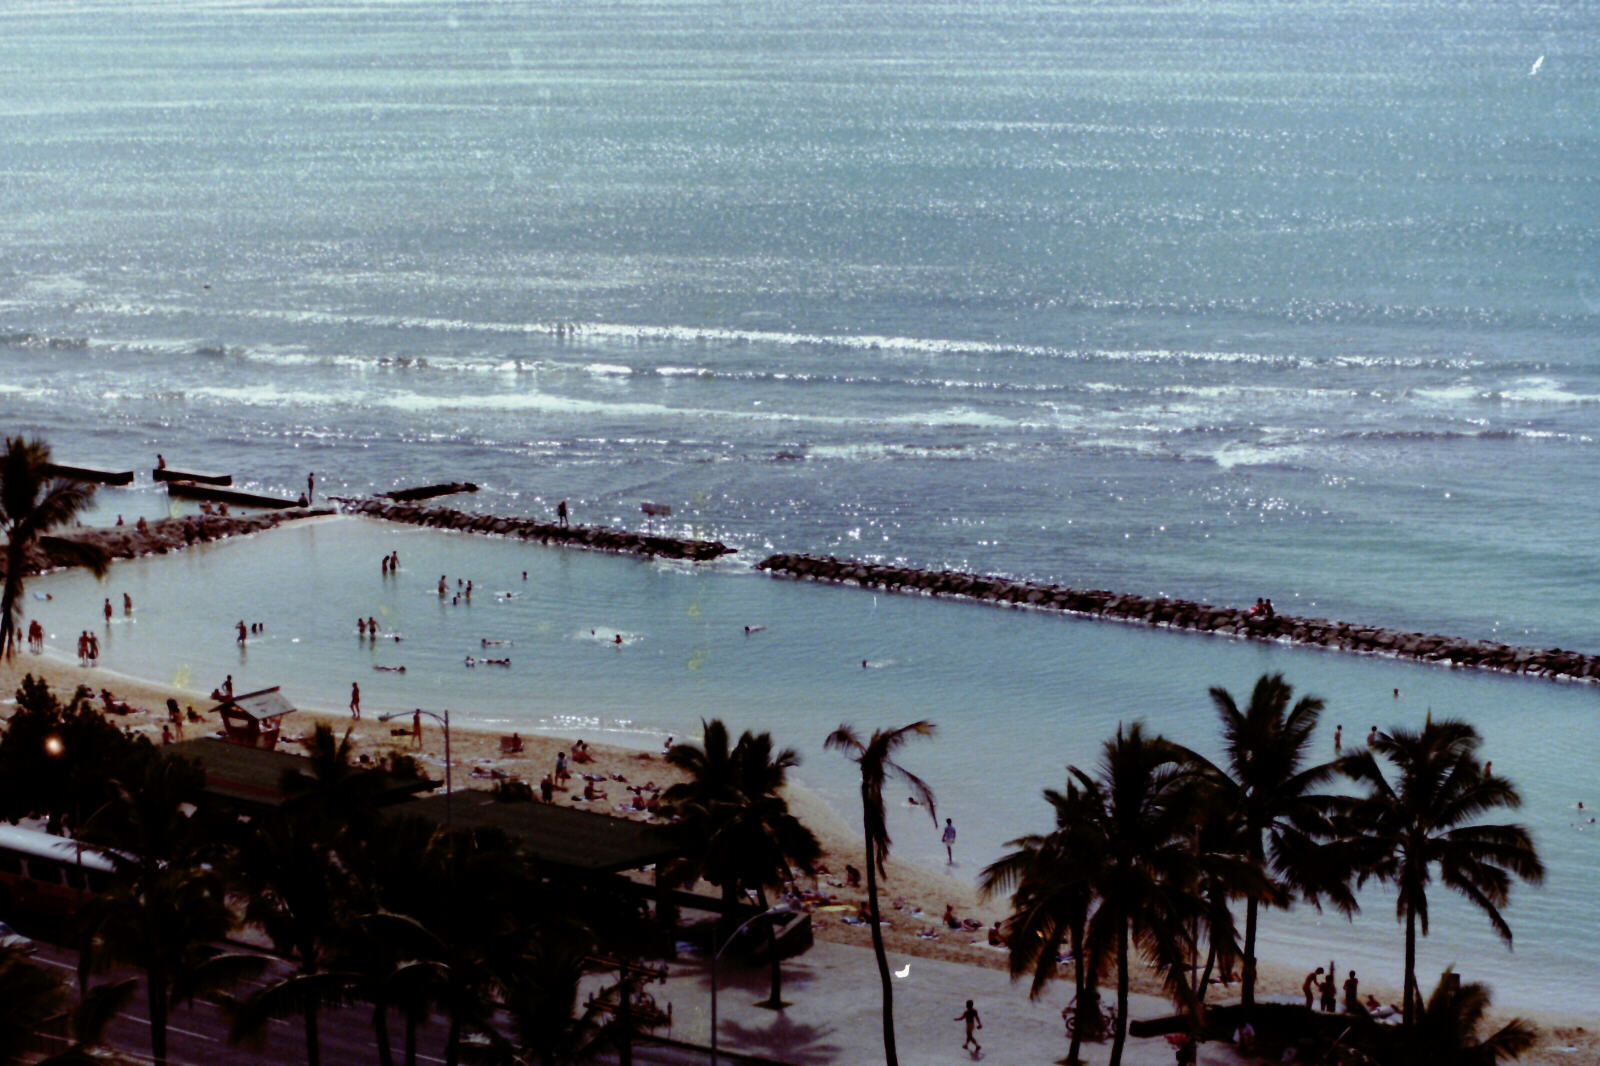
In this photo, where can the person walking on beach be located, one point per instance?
(355, 700)
(1352, 998)
(970, 1016)
(1309, 986)
(416, 728)
(949, 840)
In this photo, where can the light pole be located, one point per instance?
(444, 720)
(771, 912)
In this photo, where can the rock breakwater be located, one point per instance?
(156, 538)
(593, 538)
(1241, 623)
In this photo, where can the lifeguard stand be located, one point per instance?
(255, 719)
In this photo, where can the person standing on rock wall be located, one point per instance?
(561, 514)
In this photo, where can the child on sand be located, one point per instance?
(970, 1016)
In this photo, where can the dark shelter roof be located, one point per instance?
(254, 776)
(557, 837)
(262, 704)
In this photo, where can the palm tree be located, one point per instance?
(1146, 798)
(1051, 877)
(1267, 794)
(167, 904)
(31, 504)
(30, 995)
(733, 808)
(298, 892)
(1446, 1033)
(1423, 820)
(877, 766)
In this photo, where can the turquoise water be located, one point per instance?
(1016, 695)
(1211, 300)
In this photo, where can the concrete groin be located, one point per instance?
(1241, 623)
(593, 538)
(156, 538)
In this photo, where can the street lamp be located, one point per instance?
(773, 911)
(444, 720)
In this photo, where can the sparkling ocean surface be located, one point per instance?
(1208, 300)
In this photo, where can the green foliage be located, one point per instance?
(1267, 807)
(1447, 1033)
(31, 504)
(875, 758)
(60, 760)
(30, 995)
(1426, 789)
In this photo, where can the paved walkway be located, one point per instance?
(834, 1017)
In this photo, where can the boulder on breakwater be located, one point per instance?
(156, 538)
(593, 538)
(1244, 623)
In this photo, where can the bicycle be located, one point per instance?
(1098, 1024)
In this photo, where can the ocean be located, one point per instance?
(1208, 300)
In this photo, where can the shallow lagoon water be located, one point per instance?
(1016, 695)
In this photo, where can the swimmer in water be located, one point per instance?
(618, 638)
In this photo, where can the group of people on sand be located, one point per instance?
(1319, 984)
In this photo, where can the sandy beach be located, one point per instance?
(913, 898)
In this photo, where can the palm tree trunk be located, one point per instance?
(313, 1045)
(1080, 993)
(8, 601)
(775, 1001)
(1247, 980)
(1411, 967)
(1121, 1036)
(156, 992)
(890, 1058)
(380, 1032)
(452, 1044)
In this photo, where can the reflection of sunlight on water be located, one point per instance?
(1016, 695)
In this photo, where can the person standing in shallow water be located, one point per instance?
(949, 841)
(355, 700)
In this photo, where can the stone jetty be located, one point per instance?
(592, 538)
(157, 538)
(1241, 623)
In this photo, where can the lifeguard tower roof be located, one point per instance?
(261, 705)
